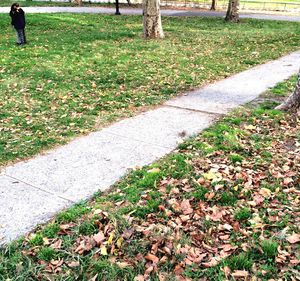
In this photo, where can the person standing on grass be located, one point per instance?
(18, 22)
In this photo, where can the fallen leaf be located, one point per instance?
(186, 207)
(240, 273)
(265, 192)
(294, 238)
(211, 263)
(99, 237)
(73, 264)
(122, 264)
(103, 250)
(57, 244)
(154, 170)
(139, 278)
(152, 258)
(250, 127)
(226, 270)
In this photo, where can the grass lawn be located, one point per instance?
(79, 72)
(223, 206)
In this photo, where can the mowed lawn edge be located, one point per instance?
(224, 205)
(81, 72)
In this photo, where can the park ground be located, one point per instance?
(223, 206)
(81, 72)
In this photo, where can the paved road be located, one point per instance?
(32, 191)
(165, 12)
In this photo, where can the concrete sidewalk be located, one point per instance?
(32, 191)
(164, 12)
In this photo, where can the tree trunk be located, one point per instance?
(78, 2)
(232, 14)
(292, 103)
(213, 5)
(152, 19)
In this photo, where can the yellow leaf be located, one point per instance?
(250, 127)
(265, 192)
(110, 239)
(210, 175)
(46, 241)
(103, 251)
(119, 242)
(256, 221)
(154, 170)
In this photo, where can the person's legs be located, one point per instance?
(18, 33)
(24, 37)
(21, 38)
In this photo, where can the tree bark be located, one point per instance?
(213, 5)
(232, 14)
(292, 103)
(78, 2)
(152, 19)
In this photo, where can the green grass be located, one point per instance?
(243, 214)
(80, 72)
(240, 262)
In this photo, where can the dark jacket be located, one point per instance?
(18, 19)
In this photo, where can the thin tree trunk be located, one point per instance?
(152, 19)
(213, 5)
(292, 103)
(78, 2)
(232, 14)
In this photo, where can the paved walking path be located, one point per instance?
(32, 191)
(165, 12)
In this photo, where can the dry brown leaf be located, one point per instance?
(57, 263)
(211, 263)
(294, 262)
(139, 278)
(240, 274)
(99, 237)
(265, 192)
(258, 199)
(226, 270)
(151, 257)
(123, 264)
(294, 238)
(57, 244)
(287, 181)
(178, 270)
(186, 207)
(209, 195)
(148, 271)
(73, 264)
(228, 247)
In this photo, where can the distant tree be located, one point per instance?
(292, 103)
(232, 14)
(78, 2)
(213, 6)
(152, 19)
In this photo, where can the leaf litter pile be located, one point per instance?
(224, 206)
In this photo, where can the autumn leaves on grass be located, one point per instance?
(220, 206)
